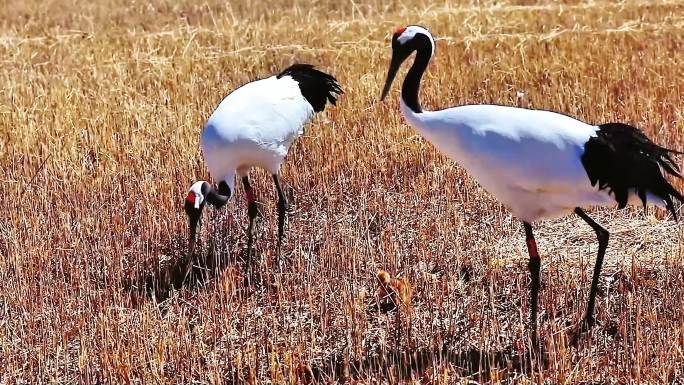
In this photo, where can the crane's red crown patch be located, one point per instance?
(399, 31)
(191, 197)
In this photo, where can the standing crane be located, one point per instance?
(539, 164)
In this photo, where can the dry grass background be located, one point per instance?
(101, 105)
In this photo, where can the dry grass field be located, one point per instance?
(101, 106)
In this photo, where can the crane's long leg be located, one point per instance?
(534, 266)
(251, 212)
(282, 209)
(602, 235)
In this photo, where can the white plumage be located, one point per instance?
(539, 164)
(254, 126)
(502, 148)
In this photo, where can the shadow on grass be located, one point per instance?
(400, 366)
(172, 268)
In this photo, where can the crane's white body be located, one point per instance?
(254, 126)
(530, 160)
(539, 164)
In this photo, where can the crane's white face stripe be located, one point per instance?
(411, 31)
(196, 188)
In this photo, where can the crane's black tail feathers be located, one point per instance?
(316, 86)
(621, 159)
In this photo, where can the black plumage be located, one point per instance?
(316, 86)
(621, 159)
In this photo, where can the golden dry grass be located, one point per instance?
(101, 105)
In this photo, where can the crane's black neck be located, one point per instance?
(411, 86)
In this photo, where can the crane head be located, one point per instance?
(199, 194)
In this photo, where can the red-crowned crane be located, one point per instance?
(539, 164)
(254, 126)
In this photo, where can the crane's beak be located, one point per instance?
(194, 215)
(399, 54)
(192, 237)
(391, 74)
